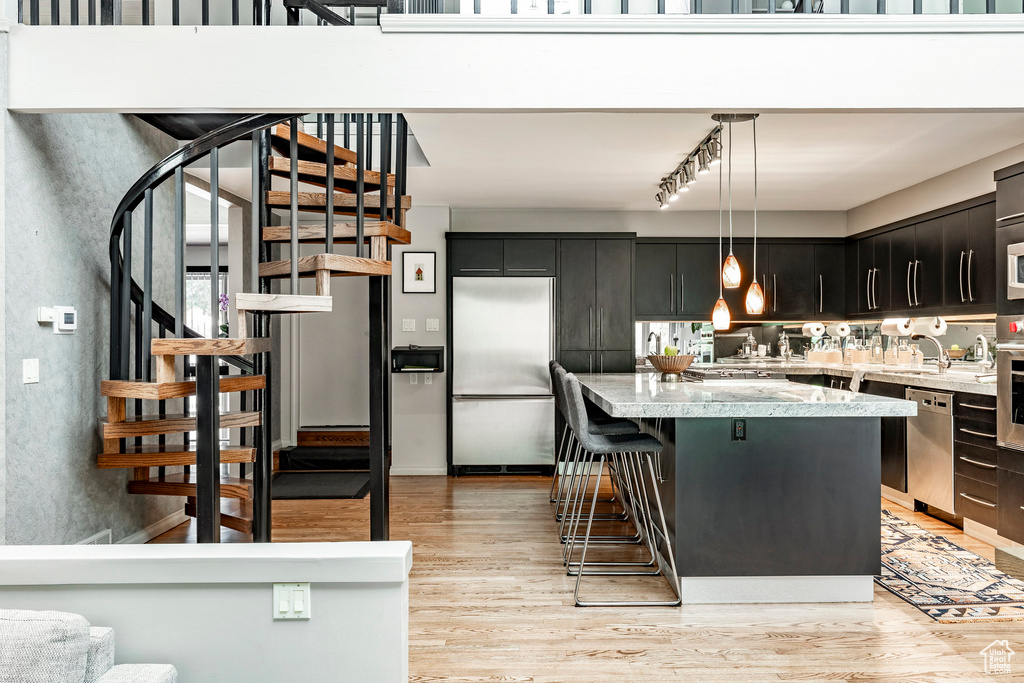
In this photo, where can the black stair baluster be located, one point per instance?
(360, 171)
(320, 126)
(74, 12)
(162, 439)
(206, 13)
(54, 12)
(175, 12)
(110, 12)
(207, 450)
(235, 13)
(92, 12)
(369, 142)
(293, 190)
(115, 313)
(266, 15)
(214, 243)
(345, 134)
(385, 164)
(263, 468)
(145, 12)
(147, 286)
(242, 404)
(138, 361)
(379, 490)
(126, 296)
(254, 214)
(179, 253)
(329, 243)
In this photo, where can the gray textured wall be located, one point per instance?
(3, 351)
(65, 175)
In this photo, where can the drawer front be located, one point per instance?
(975, 407)
(1011, 506)
(975, 433)
(975, 463)
(1011, 460)
(976, 500)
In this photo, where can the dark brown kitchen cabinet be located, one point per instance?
(1010, 196)
(791, 279)
(829, 281)
(916, 263)
(956, 244)
(595, 304)
(655, 292)
(699, 274)
(901, 255)
(529, 258)
(981, 259)
(873, 274)
(477, 258)
(1010, 510)
(894, 437)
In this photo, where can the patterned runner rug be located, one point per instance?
(948, 583)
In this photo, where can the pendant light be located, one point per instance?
(755, 296)
(720, 317)
(731, 273)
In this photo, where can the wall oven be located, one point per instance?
(1010, 274)
(1010, 382)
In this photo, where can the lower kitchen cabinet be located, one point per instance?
(1010, 513)
(976, 501)
(894, 437)
(598, 361)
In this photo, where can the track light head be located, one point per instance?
(662, 200)
(715, 148)
(703, 161)
(691, 171)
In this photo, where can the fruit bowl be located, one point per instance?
(670, 367)
(957, 354)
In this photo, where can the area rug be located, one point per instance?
(320, 485)
(948, 583)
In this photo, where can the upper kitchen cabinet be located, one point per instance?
(655, 281)
(968, 244)
(916, 261)
(595, 298)
(791, 279)
(477, 257)
(1010, 195)
(700, 271)
(529, 258)
(676, 280)
(829, 281)
(873, 274)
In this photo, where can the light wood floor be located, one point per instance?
(489, 601)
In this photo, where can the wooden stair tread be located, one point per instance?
(168, 455)
(154, 425)
(337, 264)
(210, 347)
(231, 516)
(161, 391)
(344, 233)
(311, 148)
(344, 203)
(315, 173)
(182, 484)
(283, 303)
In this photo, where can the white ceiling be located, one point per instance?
(614, 161)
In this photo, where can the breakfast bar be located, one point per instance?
(770, 487)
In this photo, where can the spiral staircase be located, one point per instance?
(151, 347)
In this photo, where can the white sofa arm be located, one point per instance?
(140, 673)
(101, 652)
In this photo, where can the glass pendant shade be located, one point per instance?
(755, 299)
(731, 274)
(720, 316)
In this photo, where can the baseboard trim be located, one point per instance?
(898, 497)
(418, 471)
(156, 528)
(986, 534)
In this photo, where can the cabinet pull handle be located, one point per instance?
(962, 254)
(971, 405)
(1012, 215)
(970, 290)
(479, 270)
(590, 332)
(979, 501)
(591, 357)
(601, 356)
(775, 294)
(672, 292)
(965, 430)
(909, 301)
(821, 294)
(600, 329)
(682, 291)
(870, 308)
(528, 270)
(874, 289)
(978, 463)
(917, 301)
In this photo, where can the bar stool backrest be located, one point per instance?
(577, 410)
(558, 386)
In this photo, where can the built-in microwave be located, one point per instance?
(1015, 271)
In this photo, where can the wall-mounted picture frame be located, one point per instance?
(419, 272)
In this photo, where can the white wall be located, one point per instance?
(654, 223)
(208, 609)
(419, 412)
(962, 183)
(451, 63)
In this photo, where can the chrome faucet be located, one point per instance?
(986, 357)
(657, 341)
(943, 361)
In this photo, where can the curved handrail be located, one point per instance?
(163, 170)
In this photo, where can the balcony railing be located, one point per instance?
(352, 12)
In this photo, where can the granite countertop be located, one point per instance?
(645, 395)
(954, 379)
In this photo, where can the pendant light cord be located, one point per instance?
(755, 199)
(730, 188)
(719, 227)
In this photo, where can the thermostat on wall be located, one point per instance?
(64, 318)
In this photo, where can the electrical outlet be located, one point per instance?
(412, 378)
(30, 371)
(428, 378)
(291, 601)
(408, 324)
(739, 429)
(433, 324)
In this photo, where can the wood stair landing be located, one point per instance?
(326, 266)
(344, 233)
(162, 391)
(185, 485)
(311, 148)
(315, 173)
(344, 203)
(154, 425)
(168, 455)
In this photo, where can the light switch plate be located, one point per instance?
(291, 601)
(408, 324)
(428, 378)
(30, 371)
(433, 324)
(412, 378)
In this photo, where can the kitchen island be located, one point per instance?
(770, 487)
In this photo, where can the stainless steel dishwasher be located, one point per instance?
(930, 449)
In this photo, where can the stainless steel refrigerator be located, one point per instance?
(503, 336)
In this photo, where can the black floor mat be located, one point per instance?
(325, 458)
(320, 485)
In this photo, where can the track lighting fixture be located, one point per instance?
(697, 162)
(662, 199)
(720, 317)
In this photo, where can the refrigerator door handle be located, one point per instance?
(500, 397)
